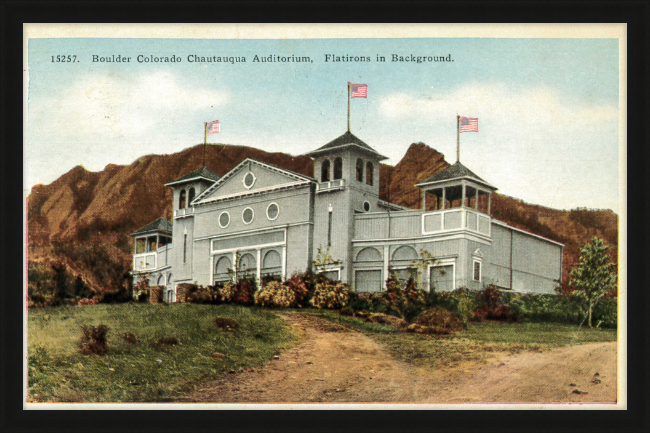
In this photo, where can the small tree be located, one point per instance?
(593, 277)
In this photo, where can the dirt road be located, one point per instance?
(335, 364)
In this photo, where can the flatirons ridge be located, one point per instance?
(82, 219)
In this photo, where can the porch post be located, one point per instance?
(234, 266)
(424, 199)
(444, 198)
(258, 275)
(386, 264)
(476, 200)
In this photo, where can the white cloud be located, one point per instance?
(536, 105)
(533, 143)
(119, 107)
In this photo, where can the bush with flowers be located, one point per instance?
(299, 283)
(226, 293)
(141, 290)
(331, 295)
(275, 295)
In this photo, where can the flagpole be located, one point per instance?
(205, 140)
(348, 106)
(457, 138)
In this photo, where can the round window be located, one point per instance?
(272, 211)
(366, 206)
(248, 215)
(224, 219)
(249, 180)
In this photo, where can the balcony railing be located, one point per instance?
(455, 219)
(331, 185)
(415, 223)
(183, 212)
(144, 261)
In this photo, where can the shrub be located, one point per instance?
(93, 339)
(156, 294)
(465, 304)
(130, 338)
(184, 290)
(244, 294)
(226, 293)
(275, 295)
(330, 295)
(361, 302)
(202, 295)
(165, 341)
(141, 290)
(437, 321)
(300, 285)
(226, 324)
(605, 313)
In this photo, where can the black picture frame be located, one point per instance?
(636, 418)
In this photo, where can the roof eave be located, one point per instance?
(148, 232)
(433, 183)
(176, 182)
(338, 148)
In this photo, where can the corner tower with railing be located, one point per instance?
(347, 174)
(456, 199)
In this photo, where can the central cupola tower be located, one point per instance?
(347, 174)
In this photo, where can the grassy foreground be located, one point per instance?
(477, 343)
(143, 372)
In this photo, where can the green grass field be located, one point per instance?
(477, 343)
(58, 372)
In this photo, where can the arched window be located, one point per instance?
(369, 170)
(338, 168)
(222, 268)
(191, 196)
(359, 170)
(181, 200)
(272, 264)
(247, 265)
(325, 171)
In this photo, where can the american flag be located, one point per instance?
(468, 124)
(358, 90)
(213, 127)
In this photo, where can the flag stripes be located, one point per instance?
(213, 127)
(468, 124)
(358, 90)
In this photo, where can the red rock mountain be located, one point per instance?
(83, 219)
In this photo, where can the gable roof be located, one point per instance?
(347, 139)
(455, 171)
(161, 225)
(297, 176)
(201, 173)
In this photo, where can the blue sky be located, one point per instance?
(547, 108)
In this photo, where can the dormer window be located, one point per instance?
(369, 169)
(191, 197)
(359, 170)
(181, 200)
(325, 171)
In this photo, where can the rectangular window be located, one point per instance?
(329, 229)
(477, 270)
(184, 248)
(369, 281)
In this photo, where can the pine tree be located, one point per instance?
(593, 277)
